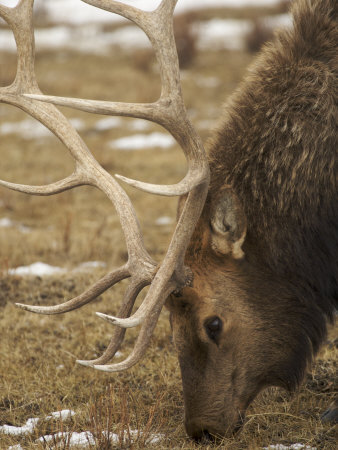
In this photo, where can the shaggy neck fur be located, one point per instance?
(277, 147)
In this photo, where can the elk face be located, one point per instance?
(212, 344)
(215, 344)
(229, 339)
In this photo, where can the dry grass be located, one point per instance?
(38, 372)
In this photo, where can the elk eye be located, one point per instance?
(213, 328)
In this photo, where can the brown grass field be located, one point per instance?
(38, 372)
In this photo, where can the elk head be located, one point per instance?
(229, 327)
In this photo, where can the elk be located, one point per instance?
(251, 274)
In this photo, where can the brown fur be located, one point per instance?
(276, 146)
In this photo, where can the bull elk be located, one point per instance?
(251, 274)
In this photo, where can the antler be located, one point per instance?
(169, 111)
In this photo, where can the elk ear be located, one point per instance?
(228, 224)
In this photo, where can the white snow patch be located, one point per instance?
(107, 123)
(31, 129)
(142, 141)
(164, 220)
(207, 82)
(7, 42)
(290, 447)
(28, 129)
(86, 438)
(5, 222)
(77, 123)
(155, 438)
(41, 269)
(221, 34)
(36, 269)
(64, 414)
(231, 33)
(129, 37)
(90, 265)
(139, 125)
(278, 21)
(75, 13)
(23, 228)
(31, 424)
(10, 2)
(134, 434)
(15, 447)
(19, 431)
(54, 38)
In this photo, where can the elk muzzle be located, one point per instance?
(202, 430)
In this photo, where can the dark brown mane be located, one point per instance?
(277, 147)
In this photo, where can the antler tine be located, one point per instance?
(189, 182)
(24, 37)
(87, 296)
(4, 13)
(147, 111)
(129, 12)
(129, 299)
(143, 337)
(50, 189)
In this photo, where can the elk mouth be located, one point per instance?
(206, 433)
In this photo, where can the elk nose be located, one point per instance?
(197, 432)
